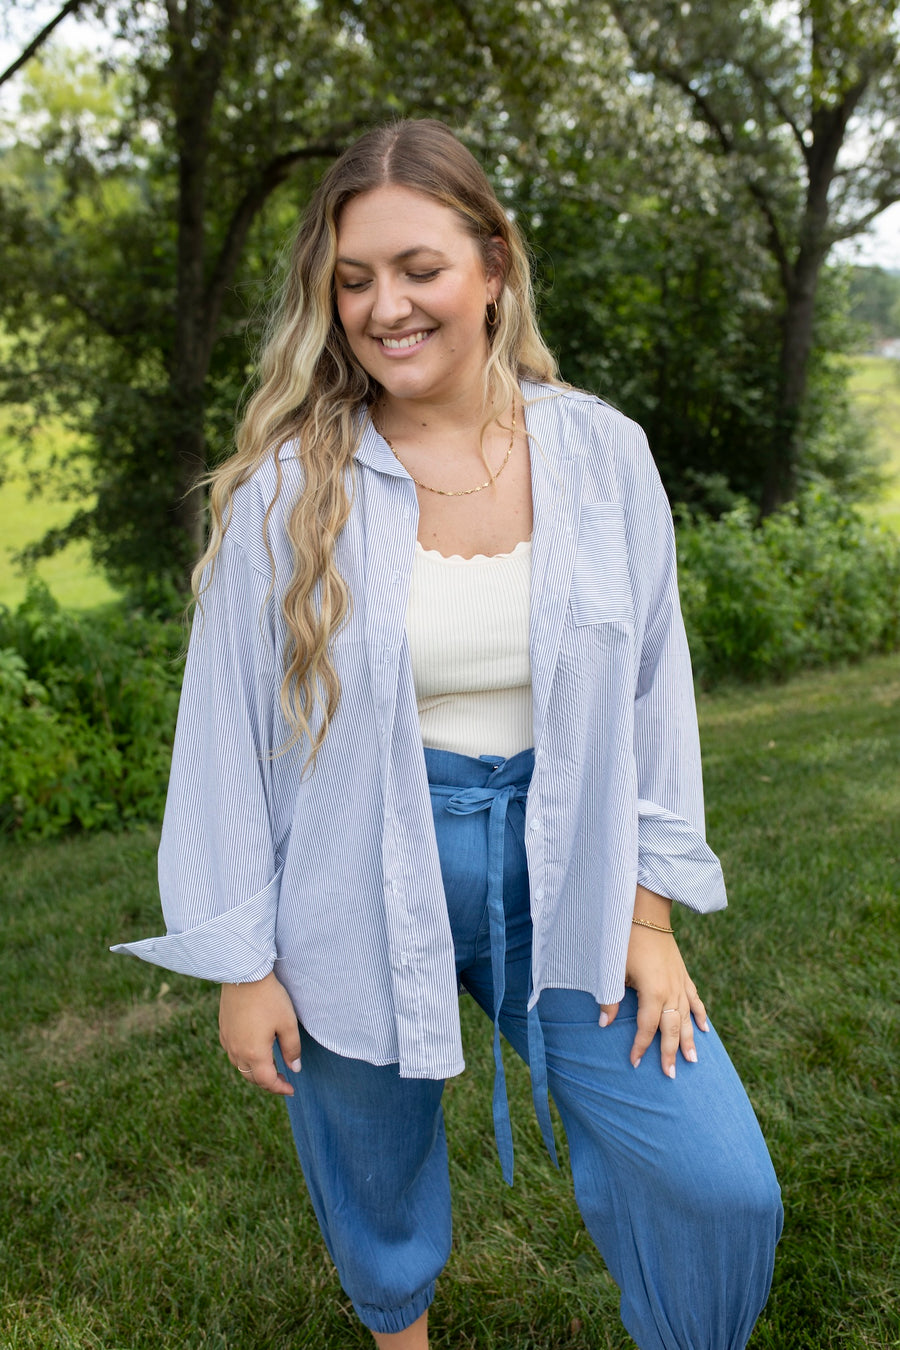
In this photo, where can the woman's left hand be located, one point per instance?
(667, 996)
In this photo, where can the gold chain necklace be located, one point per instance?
(465, 492)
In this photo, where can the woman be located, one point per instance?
(438, 732)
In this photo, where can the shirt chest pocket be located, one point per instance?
(601, 589)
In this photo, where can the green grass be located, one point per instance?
(148, 1199)
(875, 387)
(26, 516)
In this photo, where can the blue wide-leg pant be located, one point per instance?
(672, 1177)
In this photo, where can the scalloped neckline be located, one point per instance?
(521, 547)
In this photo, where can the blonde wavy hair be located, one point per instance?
(310, 389)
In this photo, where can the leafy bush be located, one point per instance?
(87, 704)
(87, 713)
(812, 584)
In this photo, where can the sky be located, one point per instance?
(879, 247)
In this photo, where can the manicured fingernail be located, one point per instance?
(691, 1055)
(295, 1066)
(704, 1026)
(671, 1070)
(636, 1063)
(604, 1020)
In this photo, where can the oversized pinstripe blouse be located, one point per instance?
(333, 880)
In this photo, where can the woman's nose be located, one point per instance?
(391, 304)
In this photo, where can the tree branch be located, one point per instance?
(675, 75)
(861, 223)
(776, 243)
(764, 87)
(117, 331)
(468, 22)
(68, 8)
(269, 178)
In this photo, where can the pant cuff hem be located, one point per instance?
(395, 1319)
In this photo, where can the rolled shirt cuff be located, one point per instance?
(675, 860)
(235, 947)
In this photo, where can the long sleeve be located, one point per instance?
(673, 857)
(219, 869)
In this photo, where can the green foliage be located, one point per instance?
(661, 305)
(140, 213)
(771, 91)
(875, 387)
(839, 447)
(875, 298)
(658, 292)
(88, 702)
(813, 584)
(87, 713)
(28, 515)
(140, 209)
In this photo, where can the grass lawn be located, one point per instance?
(875, 387)
(27, 516)
(150, 1201)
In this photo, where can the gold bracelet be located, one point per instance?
(657, 928)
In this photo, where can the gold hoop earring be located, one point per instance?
(491, 314)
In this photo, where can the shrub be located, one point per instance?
(814, 583)
(87, 714)
(88, 703)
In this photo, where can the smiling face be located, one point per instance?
(411, 290)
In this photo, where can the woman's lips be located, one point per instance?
(409, 342)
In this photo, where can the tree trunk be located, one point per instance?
(189, 506)
(801, 280)
(195, 76)
(191, 343)
(780, 480)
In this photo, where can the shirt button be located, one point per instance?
(535, 825)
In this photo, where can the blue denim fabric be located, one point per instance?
(503, 788)
(672, 1177)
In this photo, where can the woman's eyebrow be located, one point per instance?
(398, 257)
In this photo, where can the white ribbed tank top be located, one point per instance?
(468, 625)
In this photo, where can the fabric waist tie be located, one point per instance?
(463, 801)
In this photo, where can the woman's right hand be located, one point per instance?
(250, 1018)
